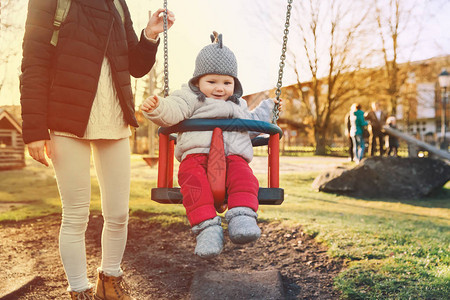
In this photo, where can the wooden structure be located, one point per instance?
(12, 147)
(414, 145)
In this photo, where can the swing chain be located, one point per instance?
(166, 56)
(276, 111)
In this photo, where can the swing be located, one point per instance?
(165, 193)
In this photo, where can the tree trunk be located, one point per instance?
(393, 103)
(320, 139)
(135, 148)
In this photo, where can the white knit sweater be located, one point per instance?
(106, 119)
(183, 104)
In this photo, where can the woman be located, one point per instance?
(76, 96)
(357, 124)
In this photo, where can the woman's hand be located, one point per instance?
(150, 104)
(38, 149)
(155, 23)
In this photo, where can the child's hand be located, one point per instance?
(279, 103)
(150, 104)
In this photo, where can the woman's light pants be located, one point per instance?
(71, 161)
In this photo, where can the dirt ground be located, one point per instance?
(159, 262)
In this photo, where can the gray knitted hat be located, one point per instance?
(216, 59)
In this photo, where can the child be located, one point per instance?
(213, 92)
(392, 140)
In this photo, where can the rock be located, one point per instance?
(386, 177)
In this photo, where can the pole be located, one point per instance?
(274, 161)
(417, 143)
(163, 160)
(135, 148)
(444, 145)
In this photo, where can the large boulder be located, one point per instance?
(386, 177)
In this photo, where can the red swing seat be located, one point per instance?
(167, 194)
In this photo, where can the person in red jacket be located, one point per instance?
(76, 98)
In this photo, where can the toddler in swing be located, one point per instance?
(214, 91)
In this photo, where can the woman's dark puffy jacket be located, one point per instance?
(58, 84)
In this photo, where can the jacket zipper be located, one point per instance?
(104, 54)
(118, 91)
(109, 37)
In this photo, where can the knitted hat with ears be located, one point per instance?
(216, 59)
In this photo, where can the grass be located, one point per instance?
(394, 249)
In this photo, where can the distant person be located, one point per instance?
(76, 102)
(392, 140)
(377, 119)
(349, 137)
(357, 124)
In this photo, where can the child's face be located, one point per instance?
(216, 86)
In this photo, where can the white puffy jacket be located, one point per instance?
(183, 104)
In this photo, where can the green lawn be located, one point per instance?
(395, 249)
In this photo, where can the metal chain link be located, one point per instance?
(276, 111)
(166, 55)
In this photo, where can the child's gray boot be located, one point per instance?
(242, 227)
(209, 238)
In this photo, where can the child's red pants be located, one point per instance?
(241, 186)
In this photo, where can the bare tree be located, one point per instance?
(9, 30)
(329, 31)
(393, 19)
(155, 86)
(152, 85)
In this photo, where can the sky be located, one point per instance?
(252, 29)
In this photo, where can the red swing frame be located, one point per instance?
(165, 165)
(166, 193)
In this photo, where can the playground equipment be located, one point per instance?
(272, 195)
(414, 144)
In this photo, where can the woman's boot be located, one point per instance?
(84, 295)
(111, 288)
